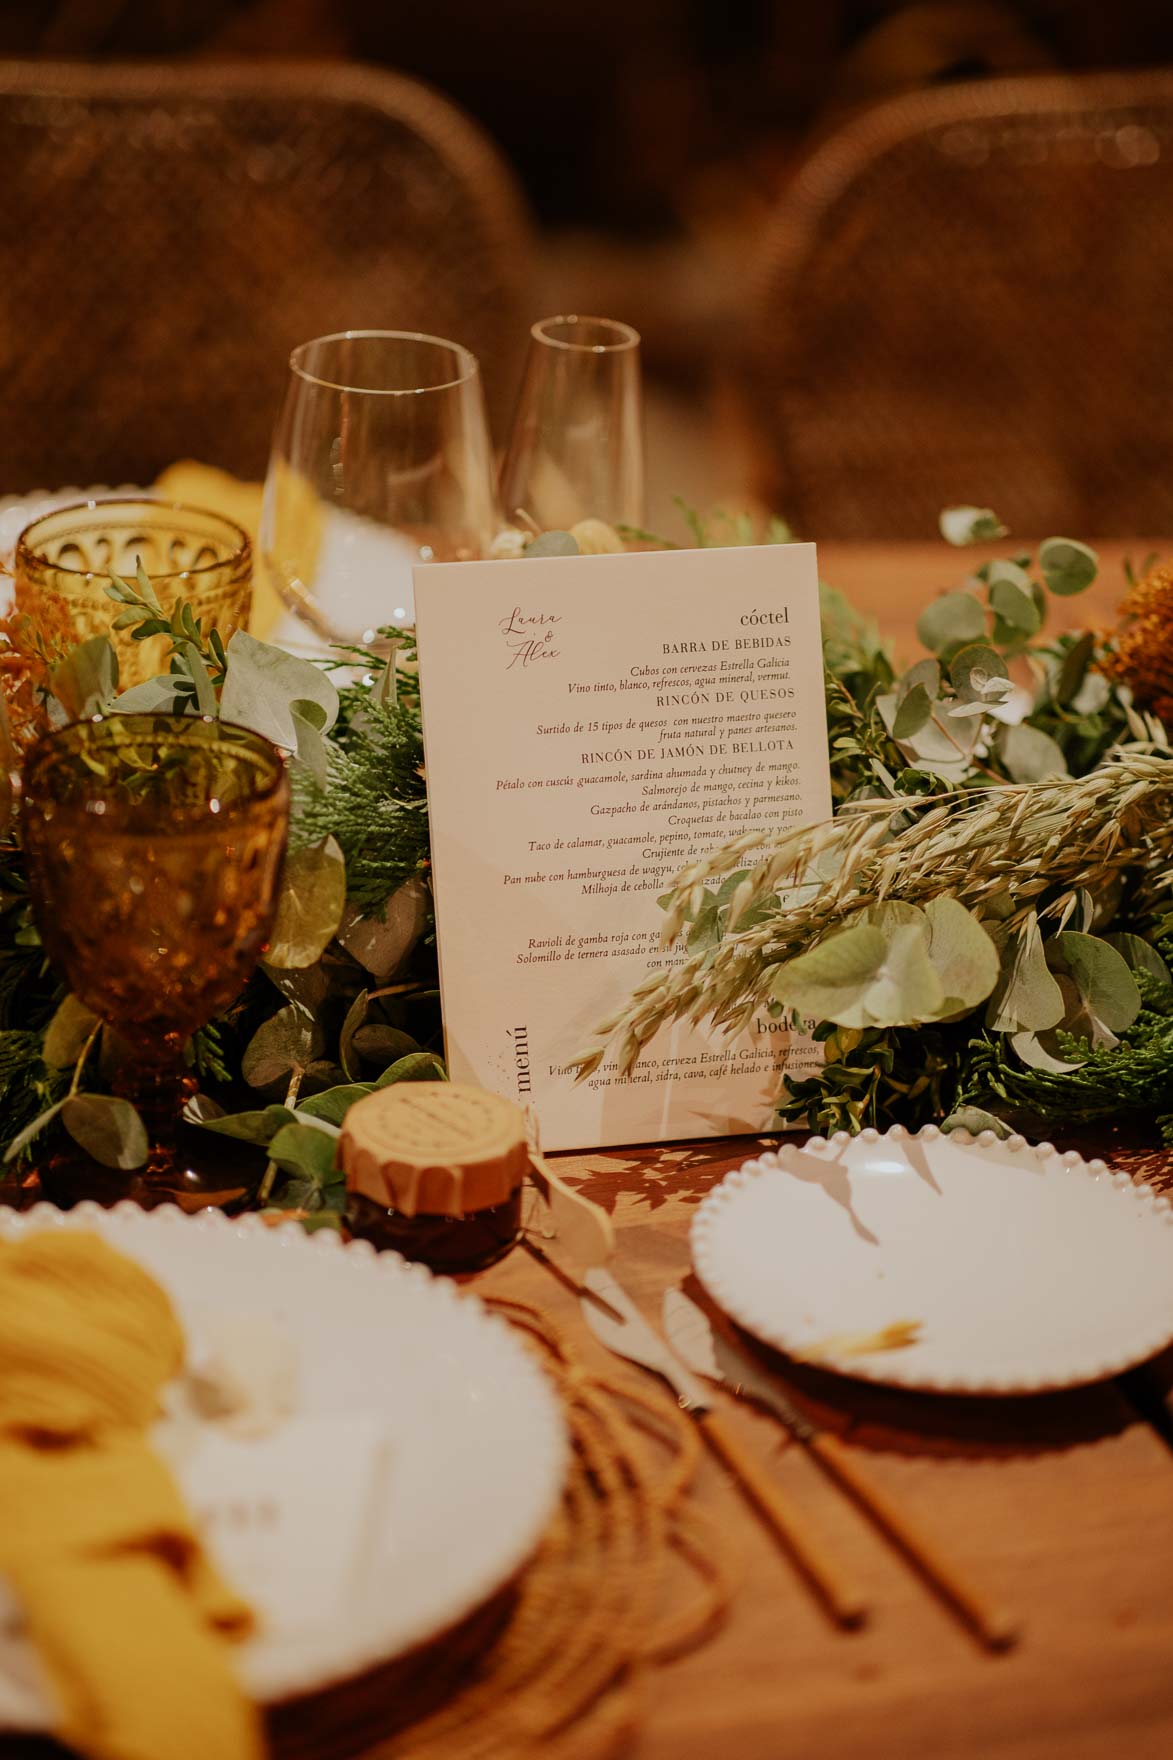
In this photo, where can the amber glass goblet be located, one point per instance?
(154, 846)
(65, 558)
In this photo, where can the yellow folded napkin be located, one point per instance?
(203, 485)
(128, 1615)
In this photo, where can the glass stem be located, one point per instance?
(158, 1083)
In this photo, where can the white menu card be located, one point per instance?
(591, 723)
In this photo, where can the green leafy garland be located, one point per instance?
(346, 999)
(983, 931)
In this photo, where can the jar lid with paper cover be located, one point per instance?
(435, 1171)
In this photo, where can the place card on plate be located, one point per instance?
(591, 723)
(258, 1504)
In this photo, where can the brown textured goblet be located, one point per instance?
(65, 558)
(155, 845)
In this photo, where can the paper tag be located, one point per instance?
(293, 1519)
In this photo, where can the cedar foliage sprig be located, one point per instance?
(374, 799)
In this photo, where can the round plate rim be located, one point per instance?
(887, 1371)
(548, 1452)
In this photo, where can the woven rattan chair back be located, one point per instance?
(170, 233)
(965, 298)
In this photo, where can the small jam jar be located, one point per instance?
(435, 1171)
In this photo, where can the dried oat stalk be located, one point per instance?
(1002, 852)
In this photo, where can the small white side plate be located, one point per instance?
(1025, 1270)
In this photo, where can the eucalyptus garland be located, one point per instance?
(984, 928)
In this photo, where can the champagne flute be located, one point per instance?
(381, 460)
(576, 447)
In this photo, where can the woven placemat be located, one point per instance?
(626, 1578)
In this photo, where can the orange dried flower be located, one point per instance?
(28, 653)
(1140, 650)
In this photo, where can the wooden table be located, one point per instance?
(1061, 1505)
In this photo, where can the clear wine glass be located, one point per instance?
(576, 447)
(381, 459)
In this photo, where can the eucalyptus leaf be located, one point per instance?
(309, 1154)
(706, 929)
(950, 621)
(862, 977)
(1035, 1053)
(944, 754)
(310, 748)
(889, 914)
(1011, 599)
(381, 943)
(308, 986)
(418, 1066)
(333, 1104)
(67, 1033)
(1068, 566)
(924, 672)
(287, 1041)
(86, 681)
(263, 683)
(1030, 755)
(963, 953)
(106, 1127)
(1026, 995)
(913, 713)
(154, 696)
(376, 1042)
(970, 525)
(730, 884)
(251, 1127)
(1140, 956)
(356, 1014)
(310, 906)
(1101, 974)
(553, 544)
(974, 669)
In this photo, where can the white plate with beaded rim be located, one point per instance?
(476, 1445)
(1019, 1269)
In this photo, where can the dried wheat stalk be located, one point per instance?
(996, 850)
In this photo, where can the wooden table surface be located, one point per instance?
(1061, 1506)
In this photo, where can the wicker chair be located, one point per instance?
(965, 298)
(171, 232)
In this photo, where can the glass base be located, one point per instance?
(447, 1244)
(200, 1171)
